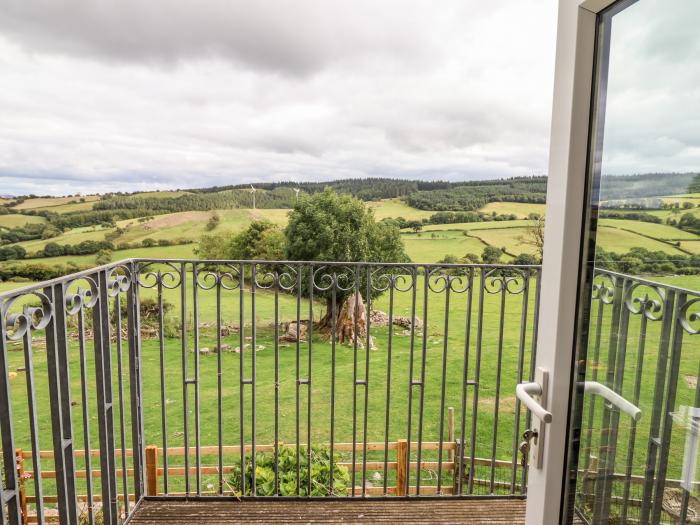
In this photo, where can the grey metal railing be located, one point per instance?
(640, 347)
(193, 373)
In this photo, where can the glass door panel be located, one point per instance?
(637, 418)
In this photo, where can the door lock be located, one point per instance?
(525, 446)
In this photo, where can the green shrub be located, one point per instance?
(287, 470)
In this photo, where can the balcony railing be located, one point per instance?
(257, 379)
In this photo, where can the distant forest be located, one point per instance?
(425, 195)
(648, 185)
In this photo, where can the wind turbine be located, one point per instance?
(296, 191)
(253, 190)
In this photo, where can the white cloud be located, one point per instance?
(130, 95)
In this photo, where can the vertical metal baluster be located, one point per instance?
(411, 353)
(669, 407)
(241, 354)
(533, 356)
(86, 415)
(163, 397)
(195, 380)
(499, 362)
(10, 481)
(135, 382)
(185, 390)
(599, 503)
(477, 376)
(368, 325)
(277, 381)
(297, 350)
(421, 399)
(621, 355)
(446, 331)
(59, 392)
(683, 518)
(633, 431)
(591, 404)
(465, 383)
(334, 335)
(387, 408)
(354, 383)
(521, 360)
(657, 405)
(253, 341)
(33, 419)
(120, 390)
(105, 408)
(219, 385)
(308, 383)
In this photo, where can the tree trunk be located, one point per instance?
(345, 320)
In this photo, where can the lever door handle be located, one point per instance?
(524, 392)
(595, 388)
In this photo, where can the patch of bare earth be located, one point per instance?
(168, 221)
(505, 404)
(691, 381)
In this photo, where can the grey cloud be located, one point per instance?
(289, 36)
(160, 94)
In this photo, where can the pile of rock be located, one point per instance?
(379, 318)
(405, 322)
(293, 333)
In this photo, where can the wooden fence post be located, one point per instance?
(456, 460)
(151, 470)
(401, 471)
(451, 431)
(19, 457)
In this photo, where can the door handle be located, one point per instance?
(595, 388)
(524, 392)
(534, 396)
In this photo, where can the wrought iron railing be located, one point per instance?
(267, 379)
(641, 345)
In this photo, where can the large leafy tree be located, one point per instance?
(331, 227)
(260, 240)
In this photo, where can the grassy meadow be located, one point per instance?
(503, 362)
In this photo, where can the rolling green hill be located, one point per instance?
(129, 220)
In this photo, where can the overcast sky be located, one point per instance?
(118, 95)
(132, 94)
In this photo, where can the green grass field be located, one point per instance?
(55, 203)
(435, 341)
(397, 208)
(15, 220)
(649, 229)
(520, 209)
(435, 246)
(513, 240)
(620, 241)
(432, 244)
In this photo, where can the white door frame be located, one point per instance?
(564, 232)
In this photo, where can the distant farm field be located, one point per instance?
(16, 220)
(512, 239)
(393, 208)
(433, 243)
(429, 249)
(55, 202)
(519, 209)
(156, 252)
(621, 241)
(650, 229)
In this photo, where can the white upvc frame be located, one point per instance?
(564, 235)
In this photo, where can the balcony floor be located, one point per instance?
(480, 511)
